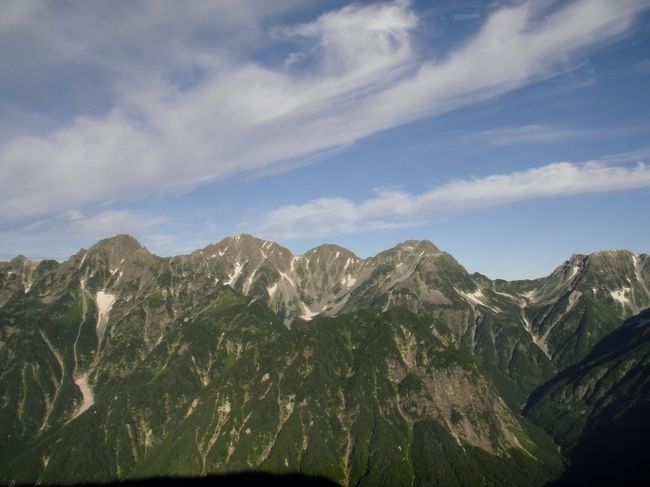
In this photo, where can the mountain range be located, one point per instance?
(398, 369)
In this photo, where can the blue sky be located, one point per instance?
(511, 134)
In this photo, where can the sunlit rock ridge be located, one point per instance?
(398, 369)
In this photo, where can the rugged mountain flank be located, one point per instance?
(397, 369)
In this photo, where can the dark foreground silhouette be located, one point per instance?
(226, 480)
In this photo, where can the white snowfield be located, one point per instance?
(619, 295)
(86, 392)
(232, 278)
(104, 302)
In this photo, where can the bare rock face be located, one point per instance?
(397, 369)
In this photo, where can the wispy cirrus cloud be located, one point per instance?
(187, 113)
(467, 16)
(393, 208)
(493, 138)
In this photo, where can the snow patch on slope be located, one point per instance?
(348, 281)
(86, 393)
(529, 294)
(113, 271)
(509, 296)
(232, 278)
(307, 314)
(619, 295)
(478, 298)
(271, 290)
(105, 303)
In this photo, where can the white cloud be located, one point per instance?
(356, 77)
(392, 208)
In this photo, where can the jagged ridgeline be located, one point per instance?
(399, 369)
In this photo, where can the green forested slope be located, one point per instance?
(395, 370)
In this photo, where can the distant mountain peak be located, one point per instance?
(331, 249)
(21, 260)
(241, 245)
(121, 242)
(421, 245)
(113, 252)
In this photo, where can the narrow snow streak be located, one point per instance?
(285, 276)
(249, 281)
(477, 297)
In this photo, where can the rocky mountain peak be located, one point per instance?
(244, 246)
(419, 246)
(615, 262)
(330, 251)
(20, 260)
(611, 257)
(112, 256)
(569, 269)
(122, 245)
(415, 248)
